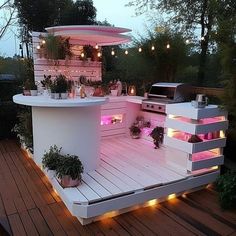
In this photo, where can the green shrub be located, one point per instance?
(226, 186)
(70, 165)
(51, 159)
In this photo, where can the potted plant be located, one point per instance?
(51, 160)
(88, 49)
(26, 88)
(60, 86)
(158, 135)
(135, 131)
(33, 89)
(56, 47)
(69, 171)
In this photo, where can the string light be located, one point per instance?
(38, 47)
(96, 46)
(187, 41)
(168, 46)
(126, 52)
(99, 54)
(112, 52)
(140, 49)
(43, 41)
(82, 55)
(152, 48)
(202, 38)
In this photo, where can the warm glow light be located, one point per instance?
(140, 49)
(38, 47)
(82, 54)
(202, 38)
(184, 195)
(168, 46)
(222, 134)
(170, 132)
(126, 52)
(187, 41)
(215, 167)
(96, 46)
(152, 48)
(171, 196)
(152, 202)
(43, 41)
(112, 52)
(99, 54)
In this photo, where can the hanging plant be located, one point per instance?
(56, 47)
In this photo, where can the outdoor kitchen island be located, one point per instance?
(130, 173)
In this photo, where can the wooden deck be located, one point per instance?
(29, 206)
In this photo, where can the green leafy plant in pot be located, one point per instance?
(157, 135)
(60, 86)
(51, 160)
(69, 171)
(135, 131)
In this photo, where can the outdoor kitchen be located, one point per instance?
(133, 149)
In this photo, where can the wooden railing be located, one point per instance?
(218, 92)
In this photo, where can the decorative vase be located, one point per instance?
(26, 92)
(67, 181)
(114, 92)
(34, 92)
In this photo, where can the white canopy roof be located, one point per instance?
(92, 34)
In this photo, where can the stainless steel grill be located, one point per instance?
(161, 94)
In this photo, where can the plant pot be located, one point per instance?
(67, 181)
(26, 92)
(64, 95)
(33, 92)
(50, 173)
(55, 95)
(114, 92)
(135, 136)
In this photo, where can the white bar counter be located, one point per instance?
(73, 124)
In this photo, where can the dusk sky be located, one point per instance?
(113, 11)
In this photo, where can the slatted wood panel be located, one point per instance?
(71, 68)
(196, 214)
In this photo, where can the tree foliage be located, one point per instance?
(188, 16)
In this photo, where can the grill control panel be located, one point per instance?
(154, 107)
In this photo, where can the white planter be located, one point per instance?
(34, 92)
(64, 95)
(114, 92)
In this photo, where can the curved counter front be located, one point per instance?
(73, 124)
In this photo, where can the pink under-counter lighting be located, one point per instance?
(113, 119)
(199, 122)
(205, 155)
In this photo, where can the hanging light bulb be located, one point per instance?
(140, 49)
(187, 41)
(112, 52)
(96, 46)
(202, 38)
(153, 48)
(82, 55)
(43, 41)
(168, 46)
(99, 54)
(126, 52)
(38, 47)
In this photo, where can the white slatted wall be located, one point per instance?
(71, 68)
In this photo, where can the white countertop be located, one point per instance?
(44, 101)
(185, 109)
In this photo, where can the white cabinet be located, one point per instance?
(209, 124)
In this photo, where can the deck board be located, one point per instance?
(196, 214)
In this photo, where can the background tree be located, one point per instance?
(188, 16)
(7, 16)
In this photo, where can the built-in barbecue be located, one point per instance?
(161, 94)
